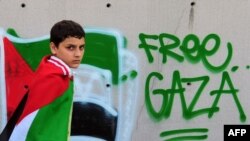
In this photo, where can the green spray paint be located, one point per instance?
(232, 91)
(177, 88)
(192, 48)
(176, 135)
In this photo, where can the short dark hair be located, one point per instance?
(64, 29)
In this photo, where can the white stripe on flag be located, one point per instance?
(21, 130)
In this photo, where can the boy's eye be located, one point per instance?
(81, 47)
(70, 47)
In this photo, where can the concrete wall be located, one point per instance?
(192, 57)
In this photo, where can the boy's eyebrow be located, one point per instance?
(70, 44)
(82, 45)
(73, 45)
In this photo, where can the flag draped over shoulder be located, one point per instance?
(46, 116)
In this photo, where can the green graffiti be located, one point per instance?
(235, 68)
(177, 134)
(168, 96)
(133, 74)
(191, 53)
(206, 53)
(165, 49)
(154, 114)
(232, 91)
(102, 51)
(198, 51)
(192, 48)
(124, 78)
(147, 47)
(201, 137)
(190, 113)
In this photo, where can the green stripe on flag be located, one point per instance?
(52, 121)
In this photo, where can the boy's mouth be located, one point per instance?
(76, 61)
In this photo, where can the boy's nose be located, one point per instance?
(78, 52)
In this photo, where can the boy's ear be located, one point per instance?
(52, 48)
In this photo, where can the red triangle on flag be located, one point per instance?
(18, 75)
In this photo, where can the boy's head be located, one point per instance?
(67, 41)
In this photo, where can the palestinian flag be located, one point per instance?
(50, 92)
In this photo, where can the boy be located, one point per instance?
(47, 112)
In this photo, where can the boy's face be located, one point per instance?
(70, 51)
